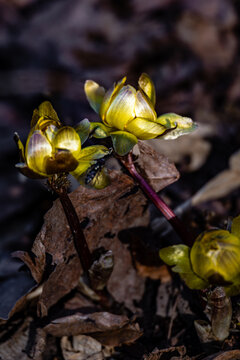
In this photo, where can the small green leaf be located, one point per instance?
(123, 142)
(179, 256)
(83, 130)
(93, 152)
(193, 281)
(235, 228)
(99, 130)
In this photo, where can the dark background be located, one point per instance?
(49, 48)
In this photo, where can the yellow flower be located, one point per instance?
(128, 114)
(53, 149)
(213, 259)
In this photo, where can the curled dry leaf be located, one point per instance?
(109, 329)
(222, 184)
(54, 256)
(192, 146)
(82, 323)
(225, 355)
(155, 167)
(13, 293)
(81, 347)
(158, 354)
(21, 343)
(126, 335)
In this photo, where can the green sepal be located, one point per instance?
(88, 157)
(99, 130)
(234, 289)
(235, 228)
(100, 180)
(179, 257)
(93, 152)
(123, 142)
(26, 171)
(176, 125)
(83, 130)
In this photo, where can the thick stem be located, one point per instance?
(80, 242)
(157, 201)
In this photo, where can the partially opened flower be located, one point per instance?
(213, 259)
(128, 114)
(52, 148)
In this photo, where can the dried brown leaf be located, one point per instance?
(158, 354)
(192, 146)
(13, 293)
(226, 355)
(81, 348)
(19, 338)
(86, 323)
(98, 210)
(222, 184)
(155, 167)
(126, 335)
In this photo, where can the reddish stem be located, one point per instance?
(178, 226)
(80, 242)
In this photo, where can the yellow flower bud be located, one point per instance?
(215, 257)
(131, 111)
(53, 149)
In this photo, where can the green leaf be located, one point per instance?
(83, 130)
(179, 256)
(235, 228)
(123, 142)
(99, 181)
(193, 281)
(99, 130)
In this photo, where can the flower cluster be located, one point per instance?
(52, 148)
(128, 114)
(214, 259)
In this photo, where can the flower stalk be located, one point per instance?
(163, 208)
(79, 239)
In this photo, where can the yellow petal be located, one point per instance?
(144, 107)
(44, 112)
(20, 146)
(50, 132)
(67, 139)
(215, 256)
(110, 94)
(146, 84)
(122, 108)
(95, 94)
(144, 129)
(38, 149)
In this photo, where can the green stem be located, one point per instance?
(163, 208)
